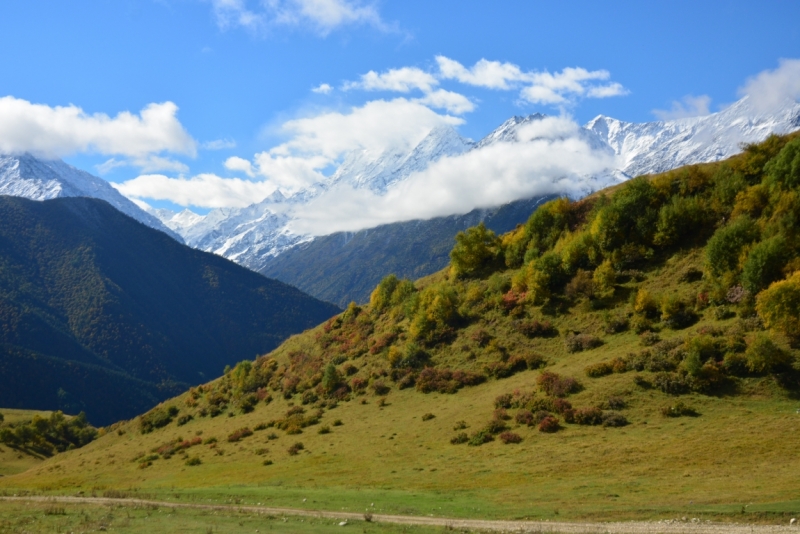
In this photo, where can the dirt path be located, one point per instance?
(630, 527)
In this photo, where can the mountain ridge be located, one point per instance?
(28, 176)
(107, 300)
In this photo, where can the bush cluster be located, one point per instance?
(556, 385)
(581, 342)
(431, 379)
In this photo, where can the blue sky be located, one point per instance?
(239, 71)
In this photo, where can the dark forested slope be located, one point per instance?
(101, 313)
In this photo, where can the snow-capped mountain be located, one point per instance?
(654, 147)
(253, 235)
(378, 171)
(41, 179)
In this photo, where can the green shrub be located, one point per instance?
(435, 315)
(477, 252)
(588, 416)
(764, 264)
(295, 449)
(596, 370)
(671, 383)
(479, 438)
(459, 438)
(779, 306)
(764, 356)
(581, 342)
(648, 339)
(614, 419)
(427, 416)
(155, 418)
(725, 246)
(615, 323)
(679, 219)
(194, 460)
(679, 409)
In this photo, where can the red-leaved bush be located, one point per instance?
(556, 385)
(446, 381)
(510, 437)
(549, 424)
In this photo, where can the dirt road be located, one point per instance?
(688, 526)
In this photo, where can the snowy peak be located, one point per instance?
(652, 147)
(508, 132)
(42, 179)
(378, 170)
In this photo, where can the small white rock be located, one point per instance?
(792, 521)
(343, 523)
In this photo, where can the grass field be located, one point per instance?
(655, 467)
(56, 517)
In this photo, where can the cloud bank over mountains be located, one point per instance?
(399, 107)
(412, 103)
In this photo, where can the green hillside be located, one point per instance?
(633, 354)
(346, 266)
(102, 314)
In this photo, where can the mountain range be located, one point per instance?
(345, 266)
(253, 235)
(101, 313)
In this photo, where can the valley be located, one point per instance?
(532, 378)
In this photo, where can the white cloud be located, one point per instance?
(322, 16)
(556, 161)
(769, 89)
(572, 82)
(236, 163)
(63, 130)
(559, 88)
(320, 141)
(322, 89)
(203, 190)
(400, 80)
(689, 106)
(489, 74)
(447, 100)
(219, 144)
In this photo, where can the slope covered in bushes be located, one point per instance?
(637, 343)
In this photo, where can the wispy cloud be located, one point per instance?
(689, 106)
(219, 144)
(320, 16)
